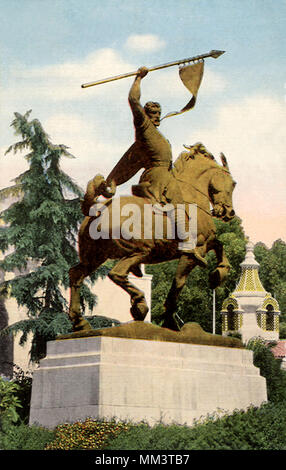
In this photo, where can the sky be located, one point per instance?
(50, 47)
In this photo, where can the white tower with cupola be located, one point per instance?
(250, 310)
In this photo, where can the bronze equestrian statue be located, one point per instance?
(195, 179)
(202, 181)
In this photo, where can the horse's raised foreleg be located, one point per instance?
(217, 276)
(185, 266)
(77, 275)
(119, 275)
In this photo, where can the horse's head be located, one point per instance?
(221, 187)
(197, 170)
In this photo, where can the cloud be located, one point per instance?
(251, 133)
(94, 154)
(59, 83)
(63, 81)
(145, 43)
(166, 87)
(105, 60)
(213, 82)
(96, 124)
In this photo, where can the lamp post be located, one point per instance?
(213, 311)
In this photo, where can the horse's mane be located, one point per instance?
(192, 161)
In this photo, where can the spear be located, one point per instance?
(215, 54)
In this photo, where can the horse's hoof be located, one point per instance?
(82, 325)
(139, 310)
(136, 270)
(171, 324)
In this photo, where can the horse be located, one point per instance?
(202, 181)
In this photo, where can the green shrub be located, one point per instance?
(9, 402)
(99, 321)
(255, 429)
(23, 392)
(282, 330)
(270, 368)
(234, 334)
(24, 437)
(86, 435)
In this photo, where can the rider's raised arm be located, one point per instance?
(134, 97)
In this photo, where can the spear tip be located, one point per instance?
(215, 54)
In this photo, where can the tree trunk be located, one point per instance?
(6, 342)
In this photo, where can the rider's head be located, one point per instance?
(153, 111)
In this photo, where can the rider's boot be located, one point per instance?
(136, 270)
(184, 247)
(187, 245)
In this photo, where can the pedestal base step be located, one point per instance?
(135, 380)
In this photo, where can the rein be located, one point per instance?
(199, 191)
(202, 208)
(190, 184)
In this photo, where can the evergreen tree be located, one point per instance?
(272, 272)
(41, 229)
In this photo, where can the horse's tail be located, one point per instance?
(95, 188)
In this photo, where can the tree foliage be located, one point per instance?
(196, 299)
(272, 271)
(39, 235)
(9, 402)
(270, 368)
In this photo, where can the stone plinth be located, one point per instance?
(129, 379)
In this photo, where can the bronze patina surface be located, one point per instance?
(191, 333)
(202, 180)
(194, 179)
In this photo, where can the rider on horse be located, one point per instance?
(151, 151)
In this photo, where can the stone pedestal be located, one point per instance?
(128, 379)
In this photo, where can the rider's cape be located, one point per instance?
(129, 164)
(133, 160)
